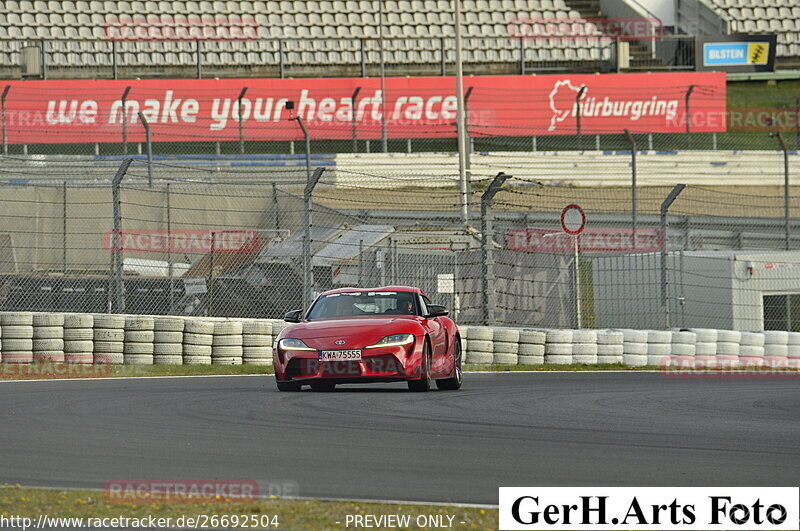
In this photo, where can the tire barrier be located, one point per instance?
(226, 344)
(793, 349)
(48, 337)
(79, 338)
(139, 335)
(27, 337)
(584, 347)
(558, 347)
(197, 338)
(634, 347)
(17, 350)
(776, 348)
(168, 340)
(610, 346)
(505, 347)
(659, 347)
(479, 342)
(257, 342)
(109, 338)
(531, 347)
(751, 349)
(684, 344)
(705, 347)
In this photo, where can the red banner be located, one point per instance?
(184, 241)
(597, 240)
(418, 107)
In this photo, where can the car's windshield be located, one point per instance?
(363, 303)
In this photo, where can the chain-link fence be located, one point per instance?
(244, 238)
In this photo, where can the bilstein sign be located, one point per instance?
(592, 240)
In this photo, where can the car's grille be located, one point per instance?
(385, 363)
(340, 369)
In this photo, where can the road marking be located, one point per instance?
(176, 376)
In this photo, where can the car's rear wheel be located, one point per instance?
(323, 387)
(288, 386)
(454, 383)
(424, 382)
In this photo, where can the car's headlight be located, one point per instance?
(395, 340)
(293, 344)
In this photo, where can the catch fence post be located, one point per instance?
(664, 282)
(117, 305)
(488, 293)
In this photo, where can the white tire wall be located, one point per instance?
(168, 340)
(480, 333)
(793, 351)
(138, 345)
(634, 336)
(198, 326)
(531, 337)
(558, 347)
(198, 335)
(16, 318)
(501, 358)
(530, 349)
(226, 344)
(109, 338)
(500, 347)
(480, 357)
(79, 338)
(705, 335)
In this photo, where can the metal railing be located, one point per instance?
(73, 58)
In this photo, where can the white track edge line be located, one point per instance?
(175, 376)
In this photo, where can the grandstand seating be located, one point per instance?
(313, 31)
(227, 33)
(766, 16)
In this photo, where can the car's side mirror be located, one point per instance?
(293, 316)
(436, 310)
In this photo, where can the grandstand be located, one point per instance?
(781, 17)
(246, 35)
(339, 37)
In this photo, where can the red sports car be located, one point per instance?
(353, 335)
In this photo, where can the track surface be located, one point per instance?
(381, 442)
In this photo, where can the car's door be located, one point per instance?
(438, 335)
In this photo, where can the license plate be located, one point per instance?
(339, 355)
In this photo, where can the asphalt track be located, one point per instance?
(382, 442)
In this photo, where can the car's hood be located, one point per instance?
(355, 332)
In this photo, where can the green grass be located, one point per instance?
(291, 514)
(763, 94)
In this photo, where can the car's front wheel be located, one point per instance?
(454, 383)
(424, 382)
(288, 386)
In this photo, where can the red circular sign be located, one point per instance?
(573, 220)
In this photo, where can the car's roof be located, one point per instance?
(408, 289)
